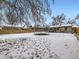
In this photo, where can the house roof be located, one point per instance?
(64, 25)
(76, 26)
(10, 26)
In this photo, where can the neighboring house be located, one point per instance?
(61, 28)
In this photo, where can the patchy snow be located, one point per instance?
(15, 36)
(63, 25)
(30, 46)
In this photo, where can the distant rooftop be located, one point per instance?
(61, 25)
(10, 26)
(75, 26)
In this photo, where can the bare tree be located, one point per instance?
(18, 10)
(71, 21)
(77, 17)
(58, 20)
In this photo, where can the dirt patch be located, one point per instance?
(41, 33)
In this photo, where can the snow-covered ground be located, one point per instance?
(30, 46)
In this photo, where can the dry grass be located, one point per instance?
(77, 35)
(13, 31)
